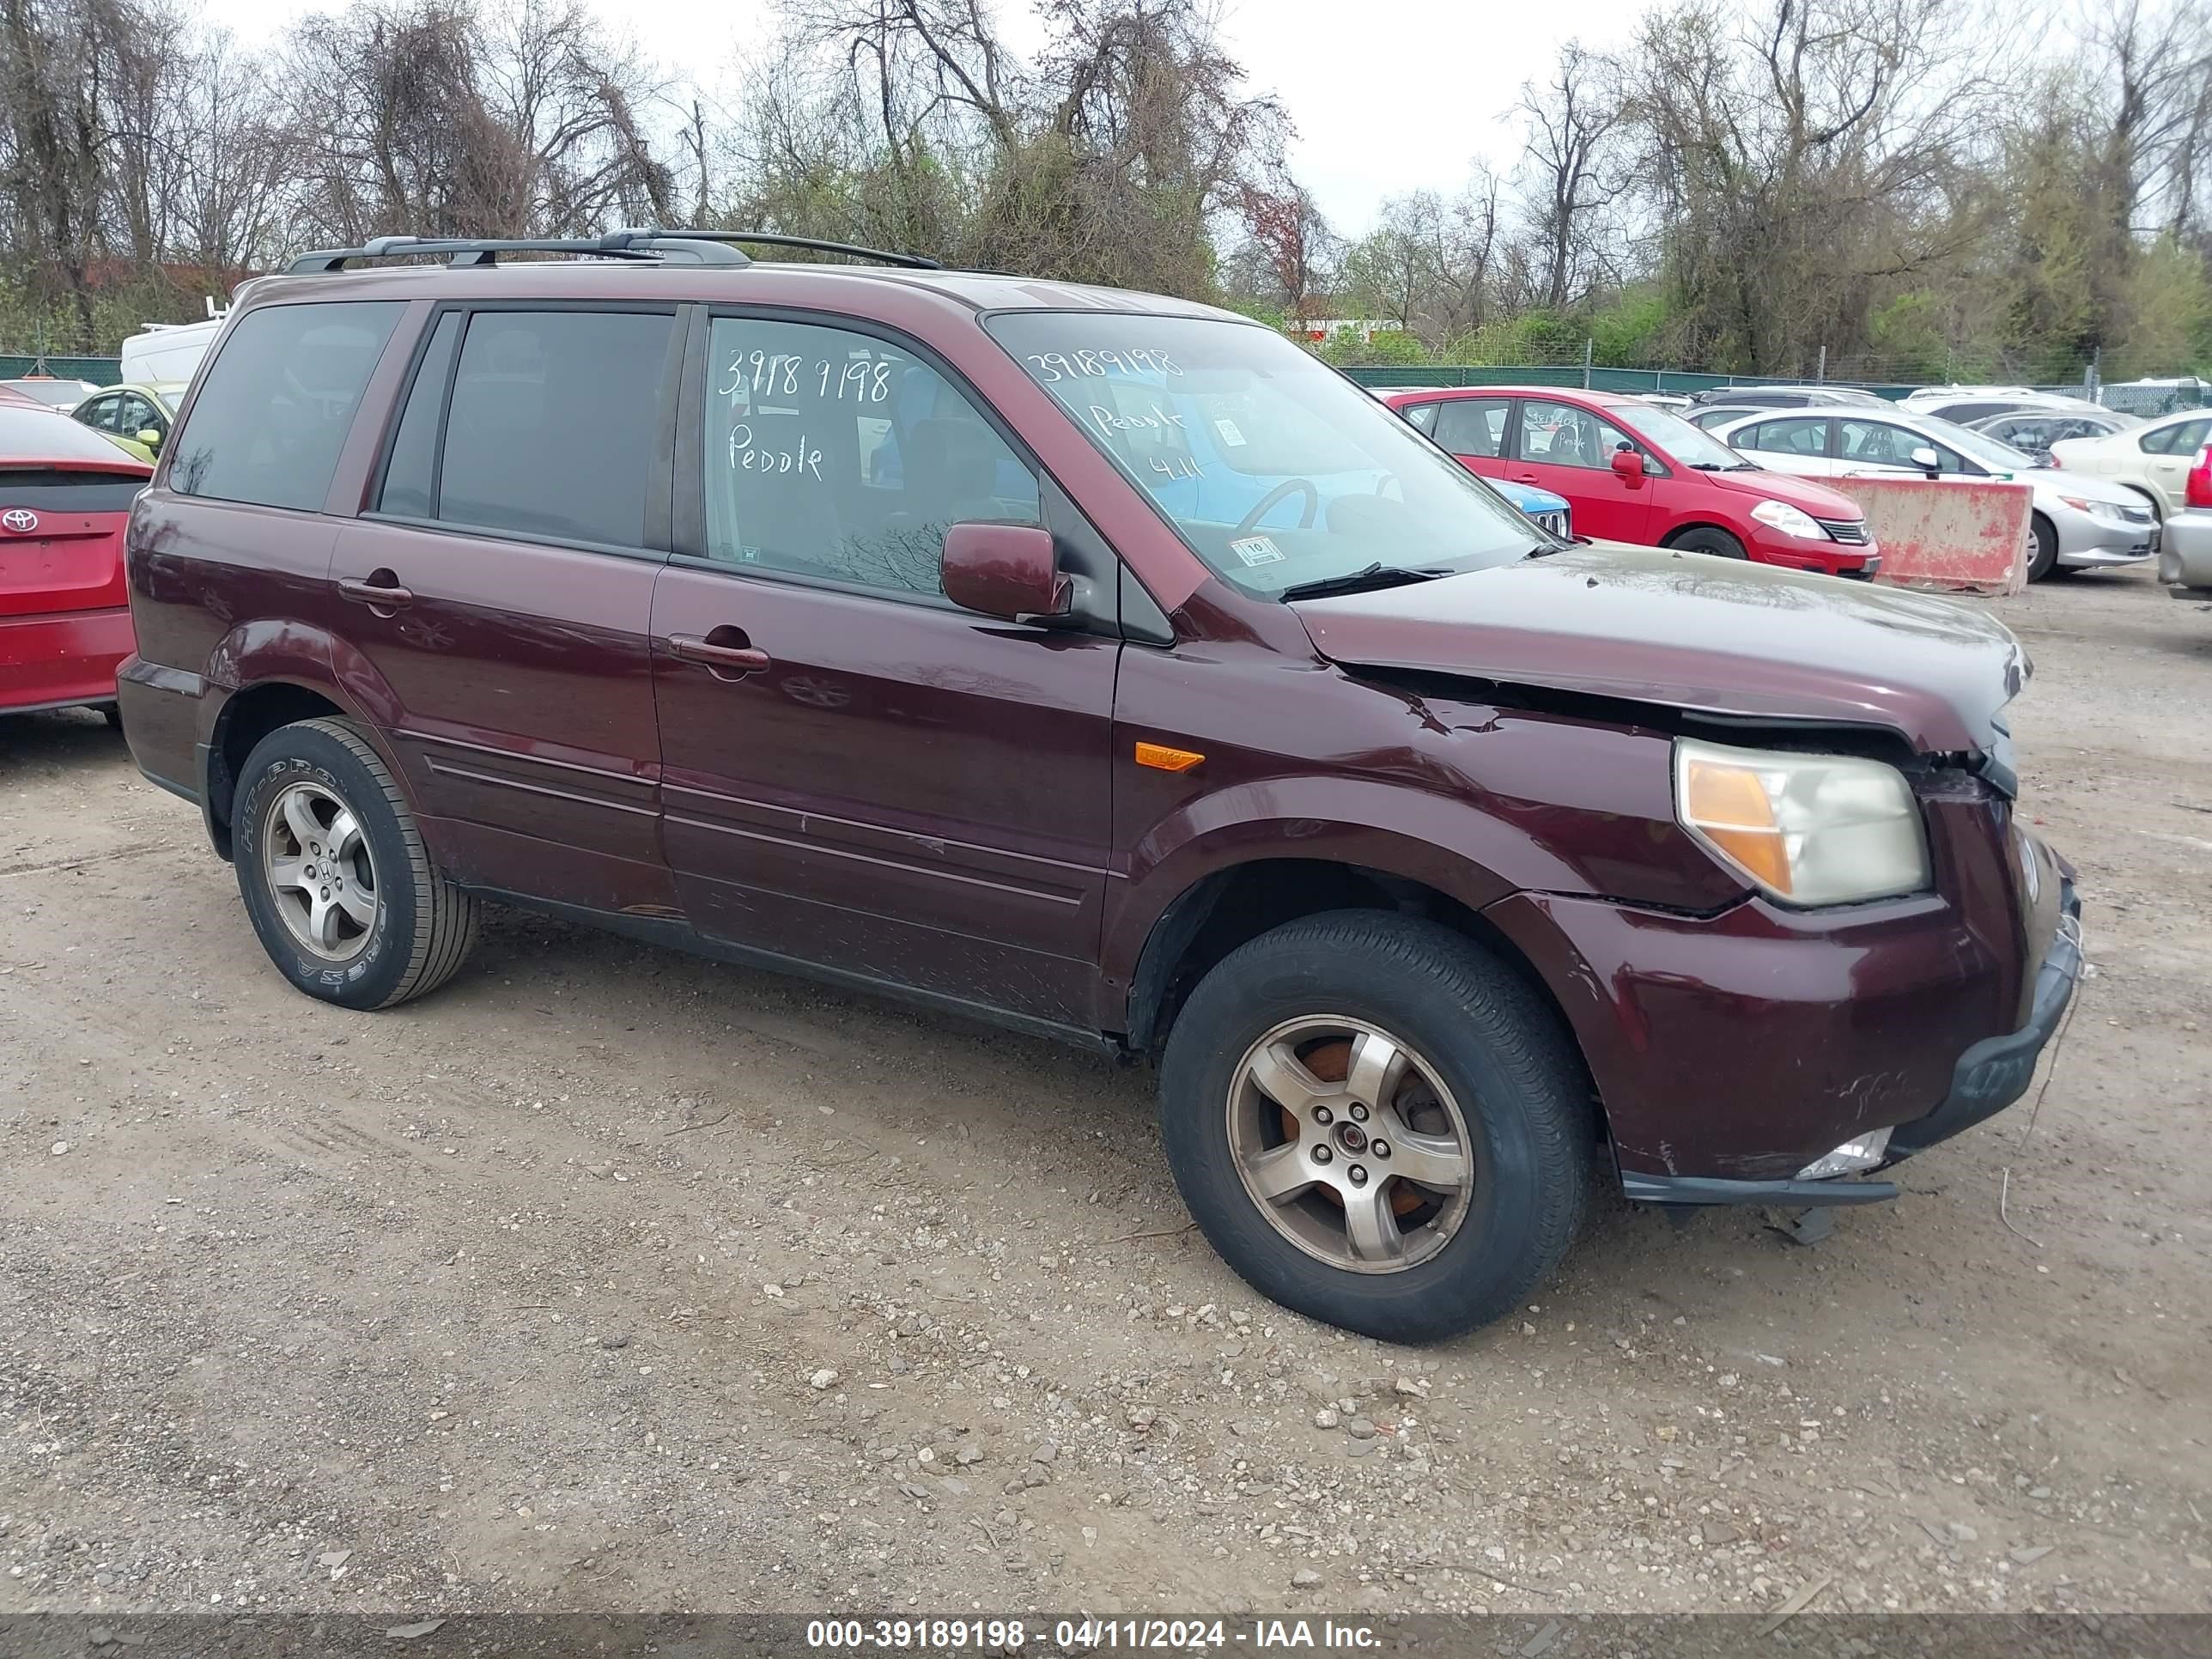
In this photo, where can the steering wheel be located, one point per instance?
(1385, 481)
(1304, 486)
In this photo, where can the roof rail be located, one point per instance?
(672, 246)
(815, 244)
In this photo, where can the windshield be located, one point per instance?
(1275, 471)
(1675, 438)
(1997, 456)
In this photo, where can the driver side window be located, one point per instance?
(1878, 443)
(840, 456)
(1561, 435)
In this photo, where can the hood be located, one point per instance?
(2060, 482)
(1528, 497)
(1803, 494)
(1688, 631)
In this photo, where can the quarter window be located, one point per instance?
(409, 477)
(1422, 417)
(278, 401)
(839, 456)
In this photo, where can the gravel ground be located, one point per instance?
(608, 1279)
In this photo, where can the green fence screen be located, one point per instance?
(1679, 381)
(100, 371)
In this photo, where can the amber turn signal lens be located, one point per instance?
(1731, 806)
(1162, 759)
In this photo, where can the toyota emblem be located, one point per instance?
(21, 519)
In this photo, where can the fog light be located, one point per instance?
(1849, 1159)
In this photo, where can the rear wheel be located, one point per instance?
(334, 873)
(2043, 557)
(1708, 538)
(1377, 1124)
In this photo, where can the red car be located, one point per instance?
(65, 495)
(1635, 472)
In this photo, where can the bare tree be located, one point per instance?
(1575, 173)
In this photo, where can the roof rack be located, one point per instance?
(815, 244)
(673, 246)
(698, 247)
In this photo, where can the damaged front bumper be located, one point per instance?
(1988, 1078)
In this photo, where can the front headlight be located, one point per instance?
(2096, 509)
(1790, 520)
(1806, 828)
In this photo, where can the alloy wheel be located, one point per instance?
(319, 871)
(1347, 1139)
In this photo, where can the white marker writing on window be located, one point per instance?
(803, 458)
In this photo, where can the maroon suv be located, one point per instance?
(1102, 666)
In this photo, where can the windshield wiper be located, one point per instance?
(1721, 466)
(1361, 580)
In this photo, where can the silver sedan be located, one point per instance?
(2185, 558)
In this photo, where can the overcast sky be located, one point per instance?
(1389, 95)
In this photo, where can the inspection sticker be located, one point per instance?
(1257, 549)
(1230, 434)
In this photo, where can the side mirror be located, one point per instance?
(1628, 467)
(147, 436)
(1007, 570)
(1926, 460)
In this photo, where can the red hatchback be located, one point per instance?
(1635, 472)
(65, 495)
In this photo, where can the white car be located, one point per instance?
(1967, 405)
(2152, 459)
(2078, 523)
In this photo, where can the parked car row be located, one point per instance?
(1632, 472)
(2075, 522)
(1713, 477)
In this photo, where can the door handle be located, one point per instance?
(381, 592)
(726, 659)
(1524, 478)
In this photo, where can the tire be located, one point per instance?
(1524, 1111)
(414, 928)
(2044, 559)
(1708, 538)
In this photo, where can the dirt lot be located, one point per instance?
(611, 1280)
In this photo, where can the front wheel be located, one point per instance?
(335, 875)
(1377, 1124)
(2044, 559)
(1708, 538)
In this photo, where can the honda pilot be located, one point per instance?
(1105, 666)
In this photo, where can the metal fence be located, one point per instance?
(2155, 398)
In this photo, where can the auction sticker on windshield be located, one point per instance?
(1257, 549)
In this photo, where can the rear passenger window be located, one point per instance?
(1472, 426)
(278, 401)
(552, 426)
(835, 454)
(1792, 437)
